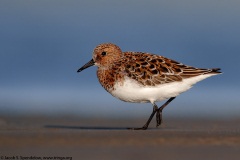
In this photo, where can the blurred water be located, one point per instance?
(43, 43)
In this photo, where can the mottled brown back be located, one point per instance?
(151, 70)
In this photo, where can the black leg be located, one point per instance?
(158, 116)
(155, 108)
(159, 111)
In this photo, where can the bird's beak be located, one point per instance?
(89, 64)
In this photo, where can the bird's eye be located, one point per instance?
(104, 53)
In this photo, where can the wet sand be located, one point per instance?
(80, 139)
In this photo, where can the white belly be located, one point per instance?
(131, 91)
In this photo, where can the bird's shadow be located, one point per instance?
(85, 127)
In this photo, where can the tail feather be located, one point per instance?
(215, 70)
(192, 72)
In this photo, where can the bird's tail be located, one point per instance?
(215, 70)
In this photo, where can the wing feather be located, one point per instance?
(152, 70)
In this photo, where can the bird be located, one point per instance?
(141, 77)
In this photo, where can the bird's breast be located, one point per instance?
(109, 77)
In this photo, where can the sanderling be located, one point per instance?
(143, 77)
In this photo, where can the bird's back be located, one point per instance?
(151, 70)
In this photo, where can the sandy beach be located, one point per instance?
(66, 137)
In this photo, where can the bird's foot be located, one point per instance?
(141, 128)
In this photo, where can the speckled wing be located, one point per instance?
(152, 70)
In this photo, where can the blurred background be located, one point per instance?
(43, 43)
